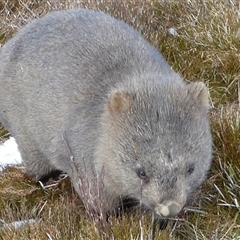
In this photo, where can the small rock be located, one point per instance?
(172, 32)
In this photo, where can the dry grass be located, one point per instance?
(206, 48)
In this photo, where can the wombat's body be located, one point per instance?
(127, 117)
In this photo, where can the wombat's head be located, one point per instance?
(156, 144)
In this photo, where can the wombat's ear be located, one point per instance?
(119, 101)
(199, 92)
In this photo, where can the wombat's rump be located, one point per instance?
(127, 117)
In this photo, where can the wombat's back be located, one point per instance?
(70, 57)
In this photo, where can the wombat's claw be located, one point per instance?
(62, 176)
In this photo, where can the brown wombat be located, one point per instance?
(127, 117)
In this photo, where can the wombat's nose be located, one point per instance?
(168, 209)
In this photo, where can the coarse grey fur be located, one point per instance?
(127, 117)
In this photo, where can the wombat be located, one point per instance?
(83, 92)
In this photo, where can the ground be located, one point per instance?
(201, 40)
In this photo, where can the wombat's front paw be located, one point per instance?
(54, 175)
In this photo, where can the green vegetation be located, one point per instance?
(206, 48)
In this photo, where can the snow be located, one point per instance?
(9, 154)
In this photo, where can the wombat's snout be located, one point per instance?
(168, 209)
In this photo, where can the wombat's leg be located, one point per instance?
(35, 162)
(36, 165)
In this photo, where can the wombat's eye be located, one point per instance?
(142, 174)
(190, 169)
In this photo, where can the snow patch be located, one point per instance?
(9, 154)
